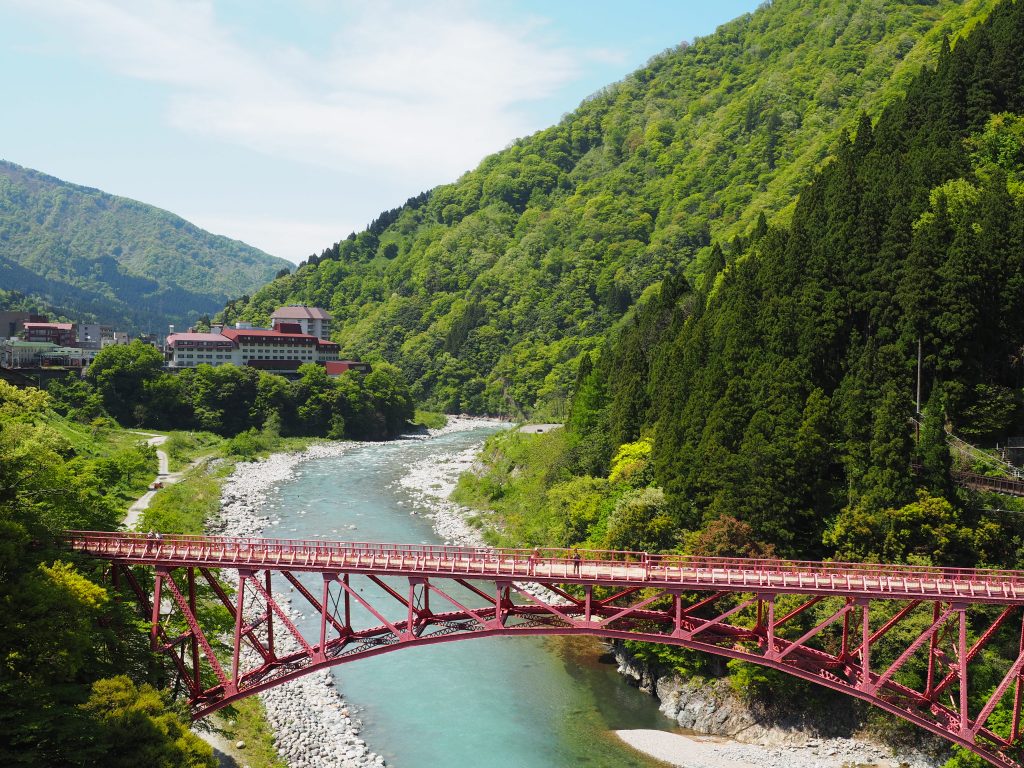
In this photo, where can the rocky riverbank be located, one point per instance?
(430, 483)
(314, 726)
(748, 737)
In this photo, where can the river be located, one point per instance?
(515, 702)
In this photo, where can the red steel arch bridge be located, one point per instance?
(876, 628)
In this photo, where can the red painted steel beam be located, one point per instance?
(614, 569)
(247, 632)
(636, 611)
(301, 589)
(193, 624)
(976, 648)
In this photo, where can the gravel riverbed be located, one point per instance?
(314, 725)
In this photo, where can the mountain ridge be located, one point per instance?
(115, 259)
(489, 290)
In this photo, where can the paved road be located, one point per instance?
(533, 429)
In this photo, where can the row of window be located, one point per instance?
(282, 356)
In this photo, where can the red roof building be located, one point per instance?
(257, 348)
(61, 334)
(338, 367)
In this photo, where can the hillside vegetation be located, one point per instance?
(98, 256)
(78, 686)
(765, 407)
(488, 291)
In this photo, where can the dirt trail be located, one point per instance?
(164, 477)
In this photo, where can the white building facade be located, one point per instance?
(312, 320)
(272, 350)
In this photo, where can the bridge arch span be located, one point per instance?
(369, 599)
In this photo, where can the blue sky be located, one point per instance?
(289, 123)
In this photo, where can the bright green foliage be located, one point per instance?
(759, 684)
(640, 523)
(234, 400)
(60, 631)
(783, 396)
(925, 531)
(1000, 147)
(183, 447)
(98, 256)
(631, 463)
(75, 398)
(581, 506)
(487, 291)
(526, 482)
(249, 723)
(681, 660)
(136, 728)
(780, 392)
(429, 419)
(120, 374)
(184, 507)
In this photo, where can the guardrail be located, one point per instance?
(234, 550)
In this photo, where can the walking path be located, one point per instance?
(164, 477)
(221, 746)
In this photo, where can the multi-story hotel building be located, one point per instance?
(284, 348)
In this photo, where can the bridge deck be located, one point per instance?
(557, 566)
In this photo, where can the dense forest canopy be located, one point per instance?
(128, 383)
(488, 291)
(767, 404)
(105, 258)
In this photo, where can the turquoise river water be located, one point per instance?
(499, 702)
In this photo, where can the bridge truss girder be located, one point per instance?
(842, 652)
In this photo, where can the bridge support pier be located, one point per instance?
(158, 583)
(865, 645)
(962, 668)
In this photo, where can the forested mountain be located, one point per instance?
(767, 405)
(779, 390)
(486, 292)
(116, 260)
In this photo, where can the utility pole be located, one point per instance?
(918, 412)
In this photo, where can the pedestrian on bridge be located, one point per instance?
(576, 561)
(534, 557)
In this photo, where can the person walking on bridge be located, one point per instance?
(576, 561)
(534, 557)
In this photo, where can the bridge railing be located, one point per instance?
(237, 550)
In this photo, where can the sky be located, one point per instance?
(288, 124)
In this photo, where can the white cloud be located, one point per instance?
(292, 239)
(412, 90)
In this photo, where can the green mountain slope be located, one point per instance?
(765, 408)
(780, 392)
(114, 259)
(487, 291)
